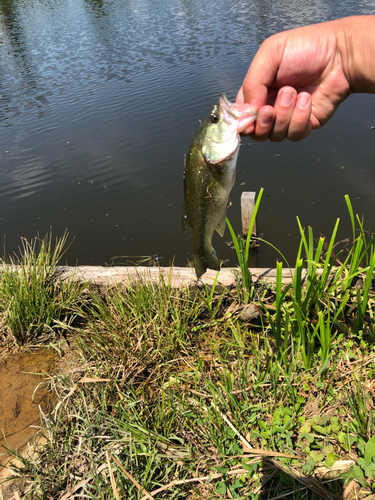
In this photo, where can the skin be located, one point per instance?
(298, 78)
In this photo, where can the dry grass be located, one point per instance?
(175, 398)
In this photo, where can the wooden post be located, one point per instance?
(247, 209)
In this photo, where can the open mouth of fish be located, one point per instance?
(234, 114)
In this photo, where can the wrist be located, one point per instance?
(356, 46)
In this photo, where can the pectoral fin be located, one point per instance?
(221, 226)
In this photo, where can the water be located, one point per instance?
(23, 389)
(99, 101)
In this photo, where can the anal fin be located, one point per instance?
(221, 226)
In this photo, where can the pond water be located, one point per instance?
(23, 389)
(99, 101)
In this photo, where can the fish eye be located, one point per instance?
(214, 117)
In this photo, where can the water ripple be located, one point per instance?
(99, 101)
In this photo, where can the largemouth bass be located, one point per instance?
(209, 176)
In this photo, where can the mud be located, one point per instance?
(23, 388)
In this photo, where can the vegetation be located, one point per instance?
(33, 298)
(176, 398)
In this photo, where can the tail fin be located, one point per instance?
(207, 259)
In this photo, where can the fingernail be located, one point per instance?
(286, 97)
(303, 100)
(265, 119)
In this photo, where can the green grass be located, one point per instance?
(242, 248)
(176, 397)
(34, 300)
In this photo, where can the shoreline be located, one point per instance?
(179, 276)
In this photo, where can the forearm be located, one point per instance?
(356, 43)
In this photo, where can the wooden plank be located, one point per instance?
(178, 276)
(247, 209)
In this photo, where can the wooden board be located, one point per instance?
(179, 276)
(247, 209)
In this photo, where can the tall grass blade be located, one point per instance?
(242, 251)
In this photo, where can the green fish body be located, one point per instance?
(209, 176)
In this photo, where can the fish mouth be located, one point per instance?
(232, 113)
(229, 107)
(229, 140)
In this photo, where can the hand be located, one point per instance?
(296, 81)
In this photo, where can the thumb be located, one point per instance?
(260, 76)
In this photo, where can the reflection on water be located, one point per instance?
(99, 101)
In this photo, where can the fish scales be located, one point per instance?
(209, 177)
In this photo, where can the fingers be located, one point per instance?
(246, 108)
(263, 126)
(262, 71)
(284, 107)
(290, 118)
(240, 99)
(301, 125)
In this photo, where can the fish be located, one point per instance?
(210, 172)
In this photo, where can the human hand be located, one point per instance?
(296, 81)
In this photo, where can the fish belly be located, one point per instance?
(206, 200)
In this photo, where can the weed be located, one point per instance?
(179, 399)
(35, 301)
(242, 248)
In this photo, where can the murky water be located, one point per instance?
(99, 101)
(23, 390)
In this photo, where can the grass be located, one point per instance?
(175, 398)
(34, 301)
(242, 248)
